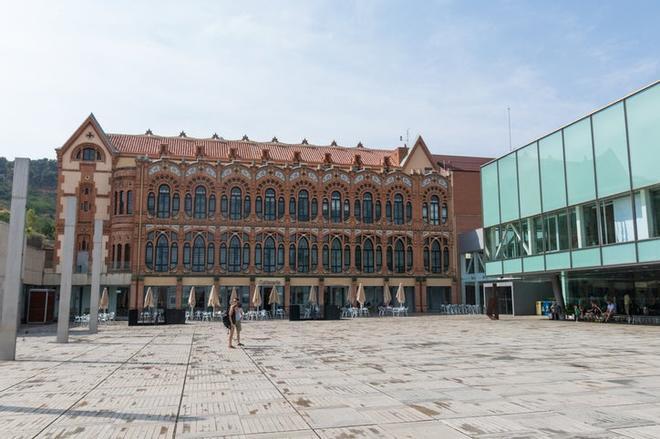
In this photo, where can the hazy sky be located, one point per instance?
(350, 71)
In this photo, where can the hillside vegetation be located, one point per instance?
(42, 189)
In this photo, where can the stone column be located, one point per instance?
(95, 290)
(14, 263)
(66, 266)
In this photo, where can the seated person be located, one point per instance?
(610, 311)
(594, 312)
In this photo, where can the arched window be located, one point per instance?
(174, 256)
(314, 208)
(292, 257)
(377, 211)
(280, 256)
(162, 254)
(399, 257)
(357, 210)
(326, 258)
(187, 204)
(335, 256)
(347, 257)
(292, 208)
(223, 256)
(443, 213)
(425, 212)
(303, 255)
(235, 204)
(210, 256)
(129, 202)
(379, 258)
(325, 209)
(198, 253)
(347, 210)
(367, 208)
(151, 204)
(434, 214)
(186, 255)
(88, 155)
(258, 207)
(314, 257)
(409, 258)
(212, 204)
(335, 208)
(149, 255)
(127, 255)
(358, 258)
(269, 255)
(435, 257)
(200, 203)
(234, 254)
(427, 258)
(398, 209)
(388, 211)
(246, 206)
(246, 256)
(368, 257)
(280, 207)
(224, 206)
(175, 204)
(390, 258)
(303, 205)
(257, 256)
(270, 208)
(445, 259)
(408, 212)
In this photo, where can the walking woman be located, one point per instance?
(235, 316)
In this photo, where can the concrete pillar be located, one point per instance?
(556, 289)
(14, 264)
(95, 290)
(66, 265)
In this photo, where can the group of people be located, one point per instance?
(595, 312)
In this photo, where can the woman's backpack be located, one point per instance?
(226, 321)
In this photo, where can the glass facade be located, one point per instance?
(587, 195)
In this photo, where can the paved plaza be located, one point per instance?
(426, 376)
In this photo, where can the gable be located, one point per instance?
(419, 158)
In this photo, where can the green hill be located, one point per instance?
(42, 189)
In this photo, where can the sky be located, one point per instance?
(351, 71)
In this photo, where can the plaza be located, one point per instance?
(418, 376)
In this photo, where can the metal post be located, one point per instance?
(95, 290)
(66, 265)
(14, 263)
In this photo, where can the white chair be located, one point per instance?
(364, 311)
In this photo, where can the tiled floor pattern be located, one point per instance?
(417, 377)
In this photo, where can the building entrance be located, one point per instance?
(335, 296)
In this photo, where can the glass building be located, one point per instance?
(582, 205)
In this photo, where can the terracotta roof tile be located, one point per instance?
(219, 149)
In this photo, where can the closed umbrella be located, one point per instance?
(233, 295)
(360, 295)
(274, 298)
(214, 299)
(351, 296)
(400, 295)
(103, 304)
(149, 299)
(312, 295)
(191, 298)
(256, 297)
(387, 296)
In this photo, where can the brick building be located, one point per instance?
(182, 211)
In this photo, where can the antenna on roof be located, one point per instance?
(508, 110)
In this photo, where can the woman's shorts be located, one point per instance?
(238, 325)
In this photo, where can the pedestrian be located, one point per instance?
(235, 314)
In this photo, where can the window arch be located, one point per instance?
(149, 255)
(280, 256)
(399, 257)
(444, 213)
(175, 204)
(174, 256)
(89, 154)
(235, 254)
(162, 254)
(357, 209)
(314, 208)
(163, 201)
(434, 213)
(200, 202)
(347, 209)
(212, 205)
(388, 211)
(224, 206)
(358, 258)
(368, 256)
(210, 256)
(257, 256)
(445, 259)
(303, 205)
(280, 208)
(367, 208)
(198, 254)
(325, 209)
(408, 212)
(270, 208)
(377, 211)
(246, 256)
(235, 204)
(269, 261)
(292, 208)
(435, 257)
(335, 208)
(246, 206)
(151, 204)
(187, 204)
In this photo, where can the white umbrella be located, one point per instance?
(387, 296)
(400, 295)
(256, 297)
(360, 295)
(312, 295)
(149, 299)
(103, 304)
(233, 295)
(351, 296)
(191, 298)
(274, 298)
(214, 300)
